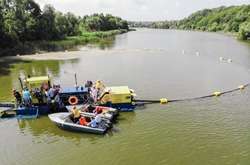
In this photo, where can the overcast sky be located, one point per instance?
(139, 10)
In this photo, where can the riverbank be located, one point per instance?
(100, 38)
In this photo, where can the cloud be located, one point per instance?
(177, 3)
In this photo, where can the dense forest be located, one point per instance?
(234, 19)
(24, 21)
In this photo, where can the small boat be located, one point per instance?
(27, 112)
(7, 112)
(89, 110)
(62, 120)
(20, 112)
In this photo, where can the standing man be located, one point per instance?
(18, 97)
(27, 99)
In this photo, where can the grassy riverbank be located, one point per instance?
(100, 38)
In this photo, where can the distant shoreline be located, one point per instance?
(102, 38)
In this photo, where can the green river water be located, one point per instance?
(211, 131)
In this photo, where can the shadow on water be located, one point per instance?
(7, 63)
(42, 128)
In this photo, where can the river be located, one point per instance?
(155, 63)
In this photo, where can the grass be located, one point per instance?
(100, 38)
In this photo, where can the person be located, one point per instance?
(89, 85)
(51, 94)
(98, 110)
(18, 96)
(94, 94)
(27, 99)
(83, 121)
(99, 86)
(38, 94)
(75, 116)
(97, 120)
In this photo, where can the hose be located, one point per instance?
(215, 94)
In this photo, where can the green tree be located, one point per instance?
(47, 26)
(244, 32)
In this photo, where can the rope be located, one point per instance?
(215, 94)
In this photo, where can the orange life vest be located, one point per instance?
(82, 121)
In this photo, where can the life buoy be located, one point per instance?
(73, 100)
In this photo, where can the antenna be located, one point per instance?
(76, 80)
(21, 83)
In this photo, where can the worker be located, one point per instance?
(83, 121)
(89, 85)
(96, 121)
(75, 116)
(51, 94)
(94, 94)
(27, 99)
(98, 110)
(38, 94)
(18, 96)
(99, 86)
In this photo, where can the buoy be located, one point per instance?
(217, 93)
(183, 51)
(221, 58)
(163, 101)
(197, 53)
(241, 87)
(229, 60)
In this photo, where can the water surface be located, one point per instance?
(156, 63)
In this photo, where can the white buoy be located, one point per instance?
(221, 58)
(183, 51)
(229, 60)
(197, 53)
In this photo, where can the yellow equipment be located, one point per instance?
(117, 95)
(36, 82)
(43, 83)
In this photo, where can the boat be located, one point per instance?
(74, 95)
(7, 112)
(62, 120)
(89, 110)
(121, 98)
(20, 112)
(27, 112)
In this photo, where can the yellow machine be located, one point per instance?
(37, 82)
(120, 97)
(43, 83)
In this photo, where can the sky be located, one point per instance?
(139, 10)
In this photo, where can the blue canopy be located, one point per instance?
(74, 90)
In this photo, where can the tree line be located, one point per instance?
(234, 19)
(24, 20)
